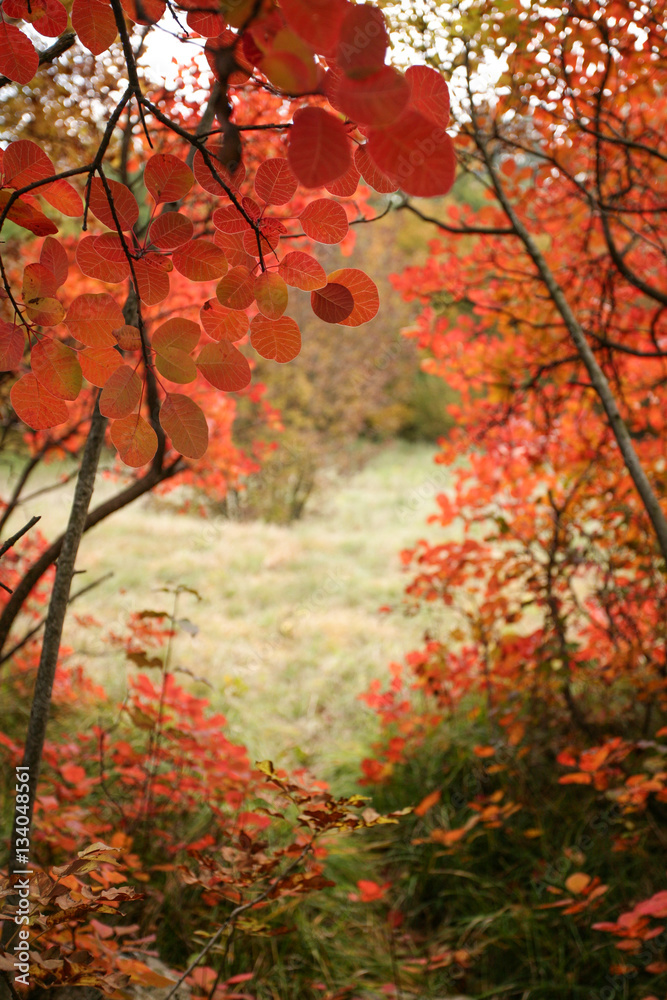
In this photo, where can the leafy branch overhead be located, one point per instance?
(196, 210)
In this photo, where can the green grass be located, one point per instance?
(289, 628)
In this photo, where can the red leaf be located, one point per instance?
(184, 422)
(375, 100)
(12, 344)
(333, 303)
(19, 59)
(171, 230)
(54, 257)
(38, 281)
(152, 280)
(206, 23)
(135, 440)
(346, 185)
(275, 182)
(224, 366)
(200, 260)
(124, 204)
(429, 94)
(316, 21)
(35, 405)
(319, 149)
(208, 181)
(237, 289)
(364, 293)
(271, 294)
(221, 323)
(128, 338)
(121, 393)
(324, 221)
(371, 174)
(27, 215)
(277, 340)
(415, 152)
(95, 24)
(144, 11)
(167, 178)
(48, 17)
(231, 245)
(57, 368)
(63, 197)
(363, 41)
(100, 265)
(91, 319)
(99, 363)
(177, 332)
(301, 270)
(228, 219)
(24, 163)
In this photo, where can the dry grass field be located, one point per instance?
(289, 627)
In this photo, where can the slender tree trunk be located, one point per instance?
(41, 705)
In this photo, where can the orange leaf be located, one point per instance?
(35, 405)
(135, 440)
(167, 178)
(578, 778)
(54, 257)
(301, 270)
(57, 368)
(121, 393)
(224, 366)
(324, 221)
(277, 340)
(427, 803)
(577, 882)
(184, 422)
(12, 345)
(221, 323)
(92, 318)
(152, 280)
(200, 260)
(99, 363)
(237, 289)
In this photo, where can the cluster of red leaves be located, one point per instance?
(167, 801)
(544, 558)
(391, 133)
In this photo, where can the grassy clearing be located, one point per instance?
(289, 627)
